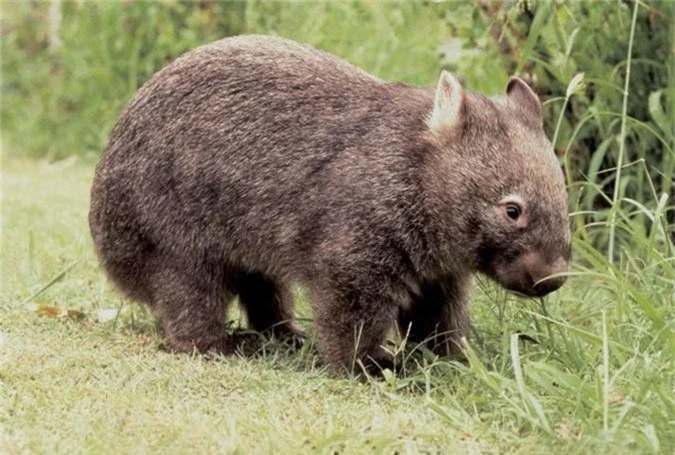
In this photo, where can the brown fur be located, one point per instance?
(254, 163)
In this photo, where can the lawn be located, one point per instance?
(588, 369)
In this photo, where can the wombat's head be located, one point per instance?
(505, 192)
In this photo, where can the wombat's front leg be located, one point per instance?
(352, 322)
(438, 316)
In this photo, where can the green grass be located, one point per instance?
(598, 379)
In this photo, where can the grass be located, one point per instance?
(598, 377)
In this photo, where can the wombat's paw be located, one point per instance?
(223, 345)
(459, 357)
(374, 367)
(447, 349)
(452, 350)
(246, 342)
(294, 338)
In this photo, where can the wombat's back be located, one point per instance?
(233, 152)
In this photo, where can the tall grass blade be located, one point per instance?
(58, 277)
(622, 138)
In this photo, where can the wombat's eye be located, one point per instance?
(512, 210)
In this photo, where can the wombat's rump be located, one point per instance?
(254, 163)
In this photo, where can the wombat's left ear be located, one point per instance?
(447, 103)
(522, 94)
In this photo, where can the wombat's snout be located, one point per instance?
(530, 274)
(540, 271)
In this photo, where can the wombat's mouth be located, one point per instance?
(535, 289)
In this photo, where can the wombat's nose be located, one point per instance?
(544, 283)
(549, 285)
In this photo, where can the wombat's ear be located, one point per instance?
(522, 94)
(448, 103)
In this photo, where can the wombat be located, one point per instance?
(253, 164)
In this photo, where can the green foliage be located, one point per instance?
(64, 102)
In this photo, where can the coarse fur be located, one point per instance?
(255, 163)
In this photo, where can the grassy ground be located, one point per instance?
(599, 378)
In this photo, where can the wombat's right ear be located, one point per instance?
(523, 95)
(448, 103)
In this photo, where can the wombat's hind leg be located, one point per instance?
(192, 305)
(269, 306)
